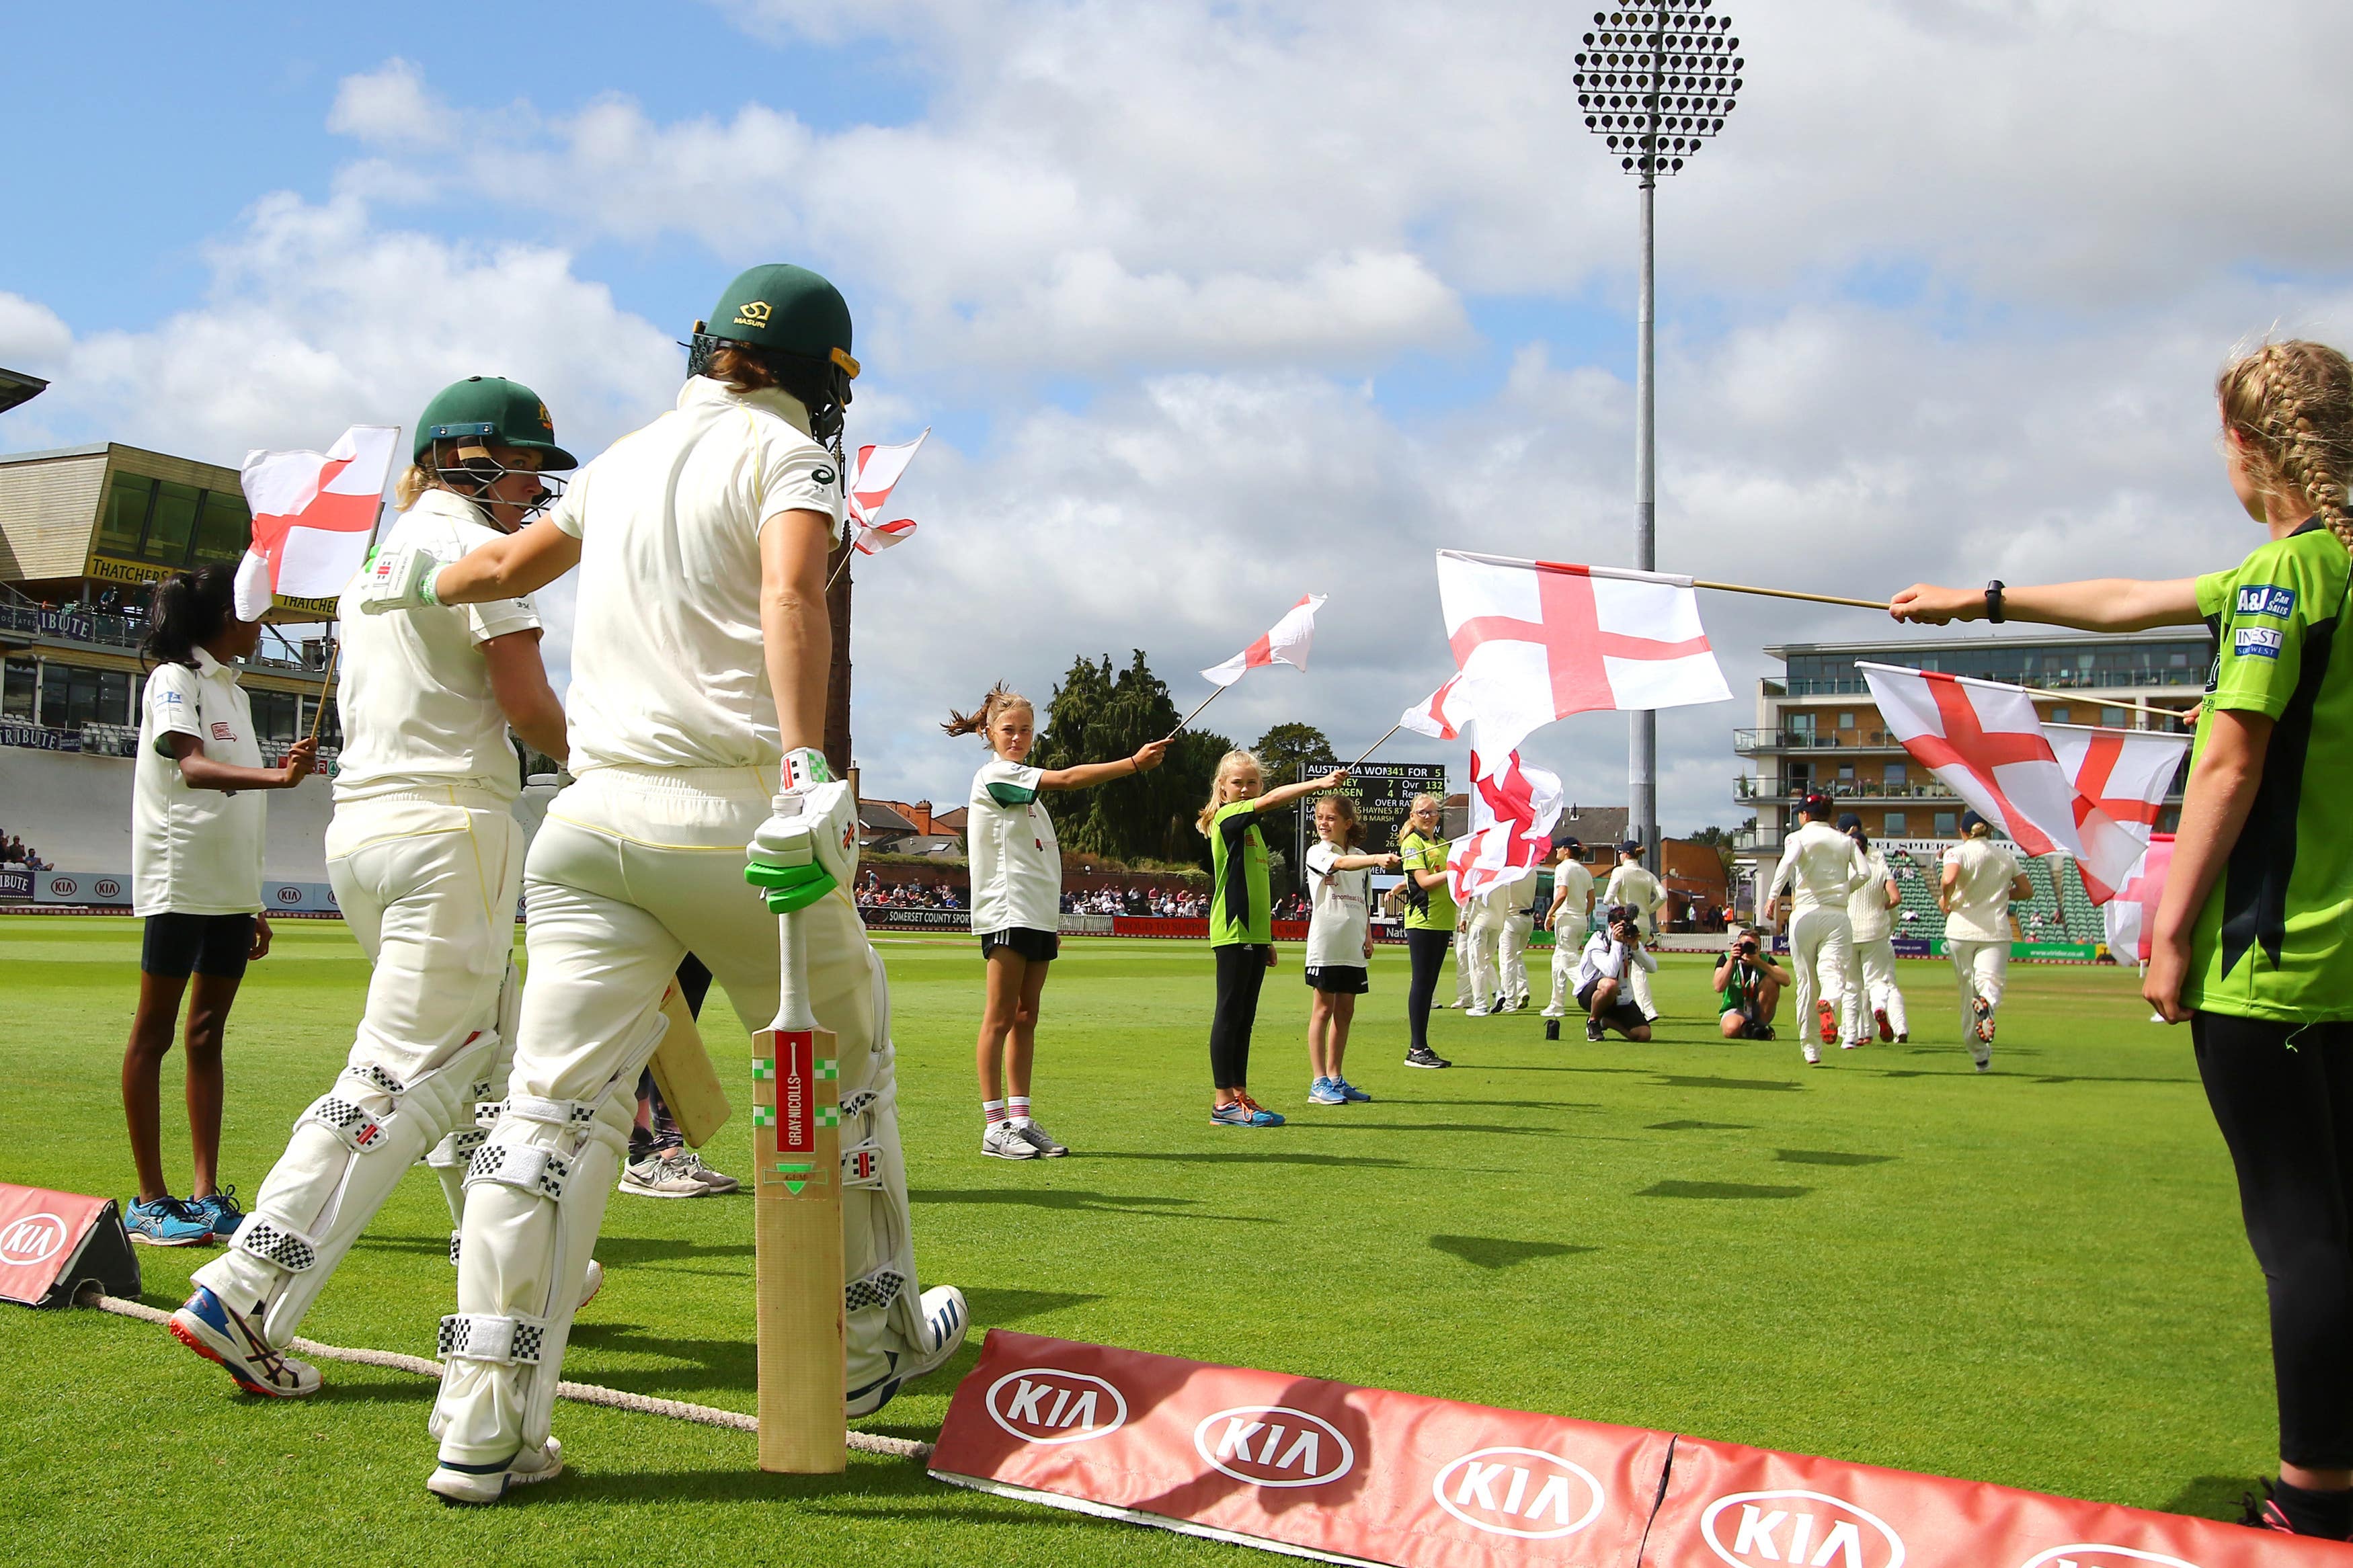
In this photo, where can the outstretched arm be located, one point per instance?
(1090, 774)
(2099, 604)
(521, 563)
(1284, 794)
(200, 772)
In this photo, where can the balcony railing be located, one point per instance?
(1748, 788)
(1745, 740)
(96, 629)
(2047, 680)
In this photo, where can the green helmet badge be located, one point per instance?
(496, 412)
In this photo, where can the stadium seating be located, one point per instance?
(76, 810)
(1916, 883)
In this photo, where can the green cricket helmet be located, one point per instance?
(793, 313)
(493, 412)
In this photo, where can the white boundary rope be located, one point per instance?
(580, 1393)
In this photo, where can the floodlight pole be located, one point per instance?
(1643, 817)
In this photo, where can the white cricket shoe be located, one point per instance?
(659, 1176)
(1813, 1053)
(1002, 1141)
(590, 1283)
(945, 1318)
(485, 1484)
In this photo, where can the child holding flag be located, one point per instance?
(1339, 943)
(1241, 918)
(1016, 902)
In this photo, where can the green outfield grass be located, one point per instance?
(2035, 1276)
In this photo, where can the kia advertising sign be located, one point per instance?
(50, 1242)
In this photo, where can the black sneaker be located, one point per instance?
(1593, 1030)
(1423, 1057)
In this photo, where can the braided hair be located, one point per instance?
(2290, 403)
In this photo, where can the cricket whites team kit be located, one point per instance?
(1820, 869)
(1873, 921)
(1572, 891)
(1632, 883)
(1017, 863)
(1976, 935)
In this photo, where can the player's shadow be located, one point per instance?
(1501, 1252)
(1829, 1157)
(1699, 1127)
(2213, 1497)
(999, 1309)
(1719, 1190)
(1084, 1202)
(1519, 1104)
(672, 1364)
(1250, 1157)
(1441, 1127)
(1751, 1085)
(590, 1482)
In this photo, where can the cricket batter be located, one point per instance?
(1871, 913)
(696, 708)
(1572, 901)
(1519, 920)
(1822, 867)
(1632, 883)
(1488, 914)
(427, 861)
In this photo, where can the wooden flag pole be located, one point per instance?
(1196, 714)
(1376, 746)
(1790, 594)
(319, 713)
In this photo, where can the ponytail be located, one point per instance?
(1001, 698)
(189, 609)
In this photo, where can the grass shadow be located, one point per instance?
(1752, 1084)
(1086, 1202)
(1442, 1127)
(1719, 1190)
(1699, 1126)
(1238, 1157)
(1500, 1252)
(999, 1309)
(2215, 1497)
(1829, 1157)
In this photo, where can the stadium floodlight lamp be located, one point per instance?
(1655, 81)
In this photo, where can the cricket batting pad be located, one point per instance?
(796, 1227)
(683, 1071)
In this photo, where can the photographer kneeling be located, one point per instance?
(1748, 987)
(1604, 988)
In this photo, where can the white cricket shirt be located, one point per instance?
(1342, 909)
(1573, 876)
(1820, 867)
(1017, 866)
(1631, 883)
(667, 665)
(1980, 897)
(194, 851)
(1866, 907)
(415, 698)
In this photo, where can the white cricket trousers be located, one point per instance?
(1513, 983)
(426, 881)
(1821, 957)
(633, 869)
(1565, 951)
(1482, 951)
(1880, 991)
(1981, 967)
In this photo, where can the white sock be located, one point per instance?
(994, 1109)
(1016, 1110)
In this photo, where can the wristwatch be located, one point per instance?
(1993, 602)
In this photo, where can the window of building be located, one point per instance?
(123, 522)
(20, 680)
(273, 715)
(223, 527)
(2113, 717)
(2059, 715)
(1846, 772)
(1846, 721)
(1895, 776)
(1949, 824)
(73, 695)
(172, 526)
(1892, 824)
(1801, 777)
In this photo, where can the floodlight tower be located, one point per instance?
(1654, 81)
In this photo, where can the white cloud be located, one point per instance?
(390, 107)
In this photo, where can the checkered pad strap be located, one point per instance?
(479, 1336)
(454, 1237)
(463, 1144)
(576, 1114)
(273, 1241)
(356, 1126)
(879, 1288)
(375, 1077)
(862, 1165)
(860, 1103)
(528, 1166)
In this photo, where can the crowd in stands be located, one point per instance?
(1153, 903)
(14, 852)
(873, 894)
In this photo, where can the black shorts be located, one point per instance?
(1037, 946)
(1625, 1014)
(1340, 979)
(216, 945)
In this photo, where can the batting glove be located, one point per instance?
(807, 848)
(401, 580)
(803, 769)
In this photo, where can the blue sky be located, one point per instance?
(1212, 305)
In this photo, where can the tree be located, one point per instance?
(1097, 715)
(1284, 750)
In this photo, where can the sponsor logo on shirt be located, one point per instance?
(2267, 599)
(2256, 642)
(221, 732)
(171, 700)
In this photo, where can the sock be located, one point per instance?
(1016, 1110)
(994, 1109)
(2328, 1515)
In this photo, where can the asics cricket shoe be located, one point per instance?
(1826, 1021)
(1244, 1113)
(209, 1326)
(1324, 1091)
(1350, 1092)
(687, 1160)
(1984, 1062)
(1049, 1147)
(1984, 1010)
(1556, 1013)
(660, 1176)
(1594, 1033)
(1002, 1141)
(1479, 1010)
(475, 1484)
(220, 1211)
(945, 1318)
(1423, 1057)
(167, 1222)
(1886, 1029)
(1813, 1053)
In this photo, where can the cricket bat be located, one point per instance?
(797, 1229)
(683, 1071)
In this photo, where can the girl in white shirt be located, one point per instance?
(1016, 902)
(196, 874)
(1339, 943)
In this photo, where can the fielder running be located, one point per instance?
(427, 859)
(1980, 878)
(698, 688)
(1572, 901)
(1632, 883)
(1871, 913)
(1822, 867)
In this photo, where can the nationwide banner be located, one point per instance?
(1342, 1474)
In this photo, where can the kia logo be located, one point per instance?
(64, 886)
(1525, 1492)
(36, 1238)
(1047, 1404)
(2088, 1555)
(1273, 1445)
(107, 887)
(1749, 1530)
(289, 895)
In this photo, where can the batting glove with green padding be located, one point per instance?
(807, 848)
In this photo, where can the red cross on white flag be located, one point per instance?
(873, 478)
(314, 513)
(1442, 715)
(1512, 817)
(2121, 778)
(1538, 640)
(1287, 643)
(2132, 913)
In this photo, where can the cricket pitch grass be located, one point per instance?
(2035, 1277)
